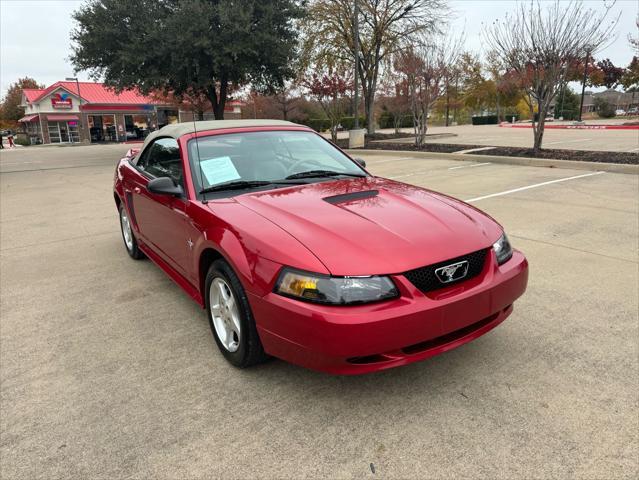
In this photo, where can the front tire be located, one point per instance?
(130, 243)
(230, 317)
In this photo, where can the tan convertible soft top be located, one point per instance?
(176, 130)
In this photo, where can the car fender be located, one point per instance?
(227, 244)
(118, 187)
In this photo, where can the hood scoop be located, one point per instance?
(349, 197)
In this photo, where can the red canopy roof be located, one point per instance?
(92, 92)
(32, 93)
(28, 118)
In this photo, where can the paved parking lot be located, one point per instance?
(494, 135)
(109, 370)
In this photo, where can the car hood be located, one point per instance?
(375, 226)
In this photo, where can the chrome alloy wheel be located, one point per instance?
(225, 314)
(126, 229)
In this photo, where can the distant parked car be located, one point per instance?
(620, 112)
(633, 111)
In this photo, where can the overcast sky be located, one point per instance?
(34, 34)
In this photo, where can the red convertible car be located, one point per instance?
(297, 252)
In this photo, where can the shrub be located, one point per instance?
(317, 124)
(348, 122)
(604, 108)
(485, 120)
(387, 120)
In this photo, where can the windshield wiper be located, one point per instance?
(244, 184)
(322, 173)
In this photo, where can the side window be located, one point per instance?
(162, 159)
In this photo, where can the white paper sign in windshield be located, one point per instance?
(219, 170)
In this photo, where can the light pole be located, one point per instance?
(77, 83)
(583, 85)
(356, 48)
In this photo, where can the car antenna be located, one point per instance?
(199, 160)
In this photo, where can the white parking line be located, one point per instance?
(476, 199)
(409, 174)
(377, 162)
(471, 150)
(469, 166)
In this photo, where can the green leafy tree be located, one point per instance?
(10, 109)
(567, 104)
(630, 78)
(604, 108)
(187, 48)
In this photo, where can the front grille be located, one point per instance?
(424, 278)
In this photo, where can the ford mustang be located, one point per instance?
(296, 251)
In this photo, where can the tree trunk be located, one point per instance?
(539, 132)
(447, 101)
(369, 101)
(531, 108)
(200, 115)
(218, 102)
(334, 133)
(425, 125)
(539, 136)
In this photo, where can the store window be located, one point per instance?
(167, 117)
(136, 126)
(54, 132)
(102, 128)
(63, 132)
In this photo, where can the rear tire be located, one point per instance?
(130, 243)
(230, 317)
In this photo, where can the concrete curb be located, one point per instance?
(531, 162)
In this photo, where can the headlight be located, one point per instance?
(502, 249)
(318, 288)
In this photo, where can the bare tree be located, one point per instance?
(539, 44)
(427, 69)
(286, 102)
(385, 26)
(634, 42)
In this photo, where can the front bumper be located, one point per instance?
(415, 326)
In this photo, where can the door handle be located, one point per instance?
(136, 190)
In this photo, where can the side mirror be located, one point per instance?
(360, 161)
(164, 186)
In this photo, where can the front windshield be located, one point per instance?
(263, 156)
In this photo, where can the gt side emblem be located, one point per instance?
(452, 272)
(189, 242)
